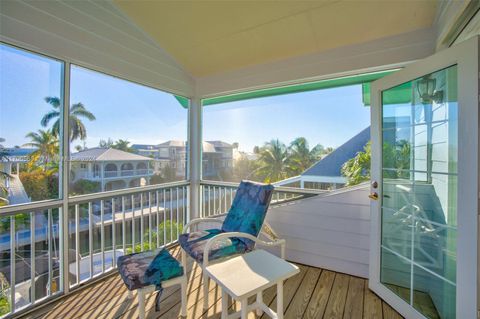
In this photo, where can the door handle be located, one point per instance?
(373, 196)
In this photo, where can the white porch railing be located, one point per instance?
(115, 174)
(101, 227)
(217, 197)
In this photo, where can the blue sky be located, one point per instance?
(144, 115)
(328, 117)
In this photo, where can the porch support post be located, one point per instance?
(195, 155)
(64, 165)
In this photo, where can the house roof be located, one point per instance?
(143, 147)
(331, 164)
(19, 151)
(220, 144)
(208, 147)
(17, 155)
(173, 143)
(107, 154)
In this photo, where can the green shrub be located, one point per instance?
(170, 230)
(84, 186)
(40, 185)
(4, 306)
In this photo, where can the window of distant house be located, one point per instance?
(30, 123)
(121, 124)
(287, 139)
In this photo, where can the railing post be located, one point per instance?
(195, 155)
(65, 162)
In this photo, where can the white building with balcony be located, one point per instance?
(112, 168)
(217, 156)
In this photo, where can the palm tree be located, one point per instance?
(46, 145)
(301, 157)
(122, 145)
(357, 169)
(4, 176)
(327, 150)
(3, 153)
(105, 143)
(76, 126)
(273, 158)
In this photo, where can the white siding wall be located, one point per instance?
(330, 231)
(93, 34)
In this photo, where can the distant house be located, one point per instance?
(16, 156)
(112, 168)
(217, 155)
(10, 164)
(326, 173)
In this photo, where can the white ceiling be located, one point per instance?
(211, 37)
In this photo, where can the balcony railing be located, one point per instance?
(133, 172)
(217, 197)
(101, 227)
(119, 173)
(98, 228)
(107, 174)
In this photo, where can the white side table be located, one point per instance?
(249, 275)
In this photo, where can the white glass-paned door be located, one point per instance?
(425, 186)
(419, 211)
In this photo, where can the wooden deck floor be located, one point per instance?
(314, 293)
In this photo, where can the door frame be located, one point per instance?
(465, 56)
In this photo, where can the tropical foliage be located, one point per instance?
(244, 168)
(84, 186)
(3, 175)
(172, 231)
(105, 143)
(40, 185)
(122, 145)
(4, 305)
(357, 169)
(276, 161)
(41, 176)
(273, 162)
(396, 157)
(77, 113)
(46, 149)
(301, 157)
(3, 151)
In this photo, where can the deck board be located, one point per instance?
(338, 297)
(372, 306)
(303, 295)
(354, 302)
(318, 302)
(313, 293)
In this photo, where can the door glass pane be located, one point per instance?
(419, 202)
(433, 295)
(396, 274)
